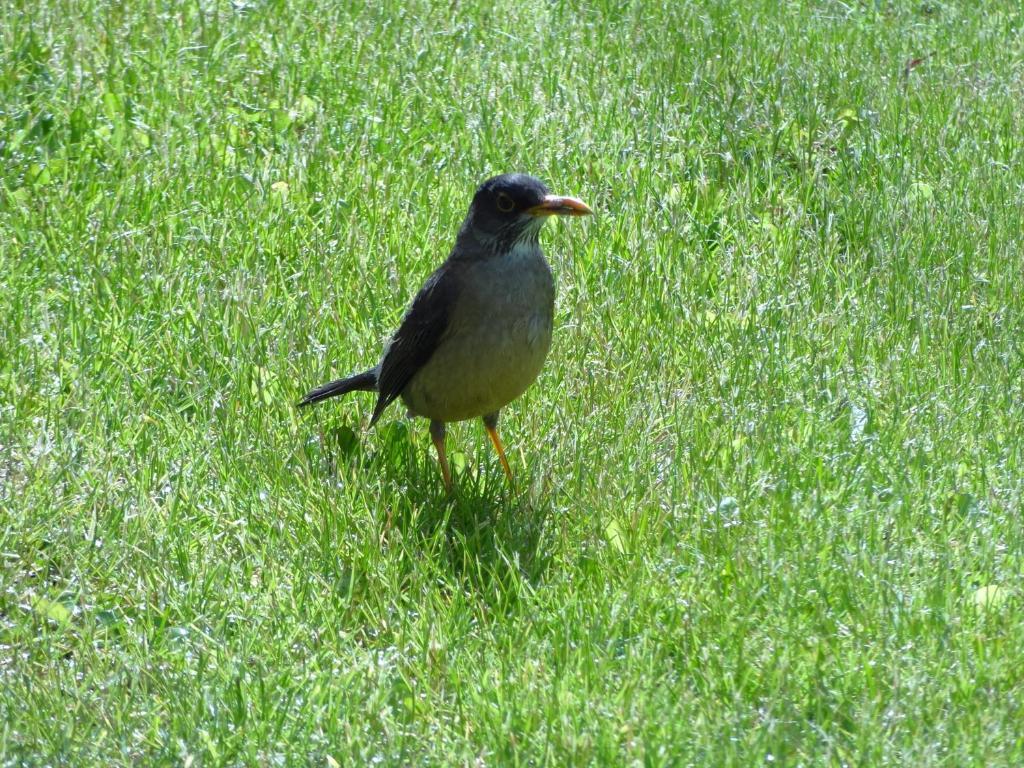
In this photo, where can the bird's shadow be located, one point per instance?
(486, 534)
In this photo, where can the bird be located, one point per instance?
(478, 331)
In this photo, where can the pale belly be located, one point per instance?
(478, 372)
(494, 351)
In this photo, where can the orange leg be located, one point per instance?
(437, 435)
(491, 424)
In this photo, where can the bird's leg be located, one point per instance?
(437, 435)
(491, 424)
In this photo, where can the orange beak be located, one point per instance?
(554, 205)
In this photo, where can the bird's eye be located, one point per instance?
(505, 203)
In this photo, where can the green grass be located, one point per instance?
(776, 449)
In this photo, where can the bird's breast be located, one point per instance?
(498, 338)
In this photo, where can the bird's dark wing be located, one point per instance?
(417, 337)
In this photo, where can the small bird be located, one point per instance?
(478, 331)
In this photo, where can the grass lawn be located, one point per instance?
(769, 484)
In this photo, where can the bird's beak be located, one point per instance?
(554, 205)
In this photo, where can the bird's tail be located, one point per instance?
(365, 382)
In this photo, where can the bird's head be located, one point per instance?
(512, 208)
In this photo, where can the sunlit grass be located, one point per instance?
(773, 458)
